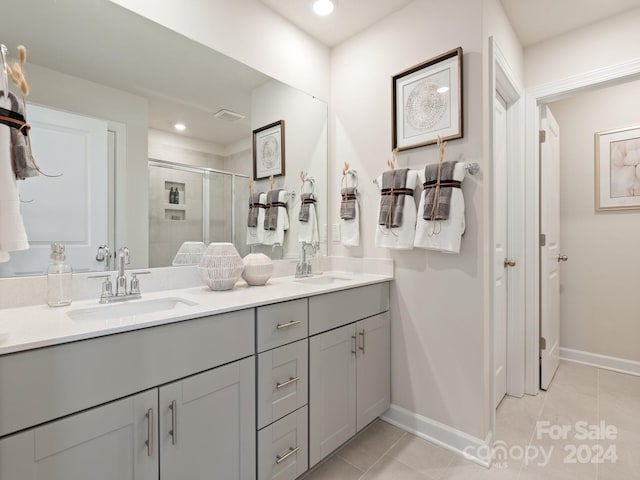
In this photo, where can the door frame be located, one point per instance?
(535, 96)
(503, 81)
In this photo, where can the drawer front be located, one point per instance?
(40, 385)
(335, 309)
(282, 381)
(281, 323)
(282, 448)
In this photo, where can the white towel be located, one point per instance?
(276, 237)
(13, 236)
(350, 229)
(442, 235)
(255, 235)
(308, 231)
(400, 238)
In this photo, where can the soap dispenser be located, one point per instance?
(58, 278)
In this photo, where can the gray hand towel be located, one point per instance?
(444, 193)
(254, 209)
(271, 213)
(306, 199)
(23, 164)
(394, 189)
(348, 203)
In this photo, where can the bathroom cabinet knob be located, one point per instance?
(562, 258)
(509, 263)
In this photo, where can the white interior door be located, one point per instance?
(550, 247)
(500, 255)
(69, 208)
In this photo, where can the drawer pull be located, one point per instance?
(173, 406)
(288, 382)
(280, 459)
(354, 348)
(361, 347)
(149, 442)
(280, 326)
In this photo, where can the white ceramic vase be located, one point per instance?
(258, 268)
(221, 266)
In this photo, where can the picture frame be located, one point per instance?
(427, 102)
(617, 176)
(269, 151)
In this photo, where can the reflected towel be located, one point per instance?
(443, 193)
(276, 236)
(254, 208)
(255, 235)
(443, 235)
(14, 116)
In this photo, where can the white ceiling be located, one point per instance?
(107, 44)
(538, 20)
(533, 20)
(349, 17)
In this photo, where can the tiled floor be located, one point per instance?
(577, 394)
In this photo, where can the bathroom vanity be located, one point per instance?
(259, 382)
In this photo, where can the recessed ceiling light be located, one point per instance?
(180, 127)
(323, 7)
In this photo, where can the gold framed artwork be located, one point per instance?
(427, 102)
(617, 168)
(268, 151)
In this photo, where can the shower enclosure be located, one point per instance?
(210, 206)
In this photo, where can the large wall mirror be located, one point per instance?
(107, 87)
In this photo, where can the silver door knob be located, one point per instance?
(562, 258)
(509, 263)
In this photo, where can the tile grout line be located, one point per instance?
(383, 455)
(533, 431)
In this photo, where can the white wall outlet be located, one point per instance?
(335, 232)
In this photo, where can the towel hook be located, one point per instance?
(3, 69)
(271, 182)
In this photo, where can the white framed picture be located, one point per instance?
(617, 166)
(268, 151)
(427, 102)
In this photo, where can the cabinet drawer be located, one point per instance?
(282, 381)
(335, 309)
(282, 448)
(281, 323)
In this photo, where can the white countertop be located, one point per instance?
(39, 326)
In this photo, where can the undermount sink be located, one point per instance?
(128, 309)
(323, 279)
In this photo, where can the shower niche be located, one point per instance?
(205, 209)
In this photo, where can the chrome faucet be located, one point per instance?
(122, 293)
(121, 279)
(303, 267)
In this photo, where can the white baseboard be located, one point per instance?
(616, 364)
(470, 447)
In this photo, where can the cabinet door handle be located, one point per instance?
(354, 342)
(282, 458)
(280, 326)
(174, 422)
(288, 382)
(149, 442)
(362, 341)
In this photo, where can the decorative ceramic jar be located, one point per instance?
(258, 268)
(189, 253)
(221, 266)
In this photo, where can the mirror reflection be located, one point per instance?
(107, 88)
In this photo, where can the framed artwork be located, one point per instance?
(427, 102)
(268, 150)
(617, 155)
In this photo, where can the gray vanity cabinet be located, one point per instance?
(207, 425)
(104, 443)
(349, 366)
